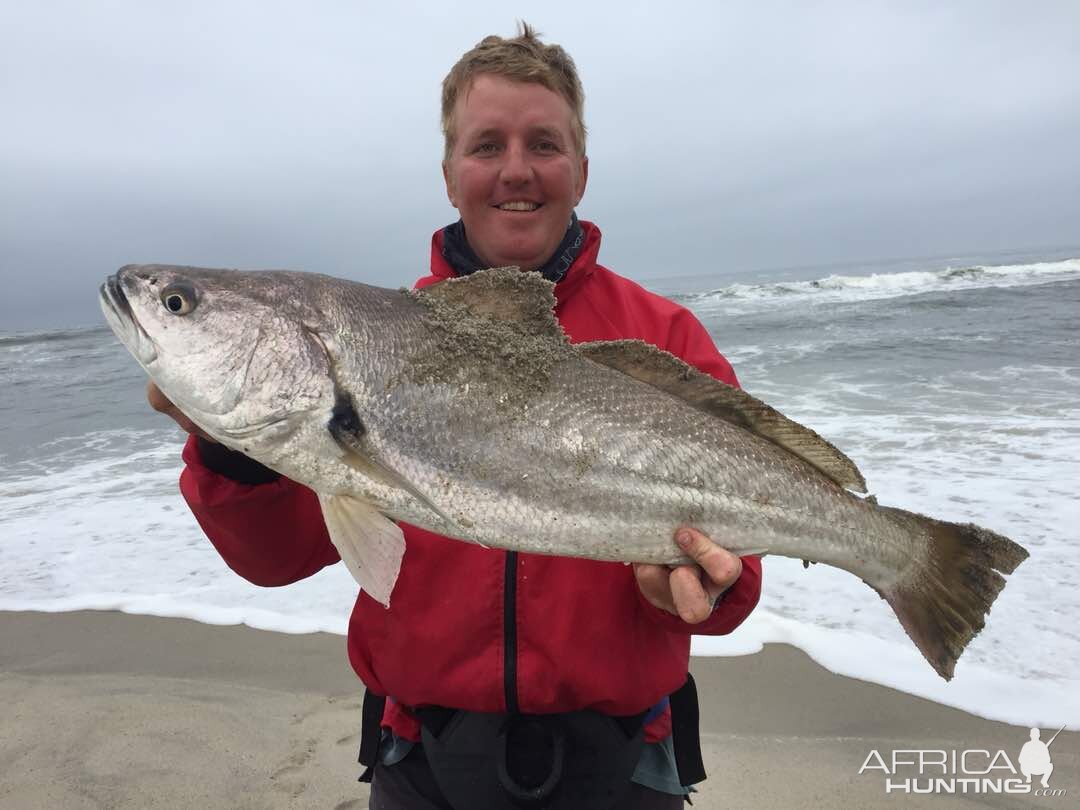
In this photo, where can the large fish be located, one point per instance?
(464, 409)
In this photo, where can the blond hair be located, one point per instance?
(522, 59)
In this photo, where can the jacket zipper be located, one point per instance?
(510, 693)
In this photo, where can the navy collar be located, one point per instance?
(464, 261)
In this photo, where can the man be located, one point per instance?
(509, 678)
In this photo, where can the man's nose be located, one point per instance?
(516, 168)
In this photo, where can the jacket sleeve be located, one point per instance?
(690, 341)
(271, 532)
(731, 610)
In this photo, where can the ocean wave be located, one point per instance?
(49, 336)
(891, 285)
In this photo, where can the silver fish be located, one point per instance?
(464, 409)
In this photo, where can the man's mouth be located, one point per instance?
(518, 205)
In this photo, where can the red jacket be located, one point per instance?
(481, 629)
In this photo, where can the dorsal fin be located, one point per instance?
(667, 372)
(503, 293)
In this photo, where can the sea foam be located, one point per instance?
(872, 286)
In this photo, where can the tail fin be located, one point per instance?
(944, 605)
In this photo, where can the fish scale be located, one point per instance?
(640, 482)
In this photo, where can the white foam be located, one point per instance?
(842, 288)
(976, 688)
(86, 529)
(1001, 460)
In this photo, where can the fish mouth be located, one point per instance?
(121, 317)
(113, 293)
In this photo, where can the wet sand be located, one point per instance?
(107, 710)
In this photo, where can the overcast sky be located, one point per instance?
(723, 136)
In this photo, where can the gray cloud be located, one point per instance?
(722, 136)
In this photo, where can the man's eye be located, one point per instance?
(546, 146)
(485, 149)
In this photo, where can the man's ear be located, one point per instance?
(449, 184)
(583, 181)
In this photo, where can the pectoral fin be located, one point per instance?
(351, 436)
(370, 545)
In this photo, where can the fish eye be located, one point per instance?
(179, 298)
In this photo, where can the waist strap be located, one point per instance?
(573, 761)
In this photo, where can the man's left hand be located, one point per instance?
(690, 591)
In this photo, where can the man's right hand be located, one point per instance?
(162, 404)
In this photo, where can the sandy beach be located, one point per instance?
(109, 710)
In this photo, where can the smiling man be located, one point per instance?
(515, 169)
(502, 679)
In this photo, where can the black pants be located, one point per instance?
(410, 785)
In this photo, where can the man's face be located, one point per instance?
(514, 175)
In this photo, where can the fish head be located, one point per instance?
(238, 352)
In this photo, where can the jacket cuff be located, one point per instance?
(729, 612)
(233, 464)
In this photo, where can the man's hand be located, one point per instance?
(162, 404)
(690, 591)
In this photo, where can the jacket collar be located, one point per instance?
(583, 267)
